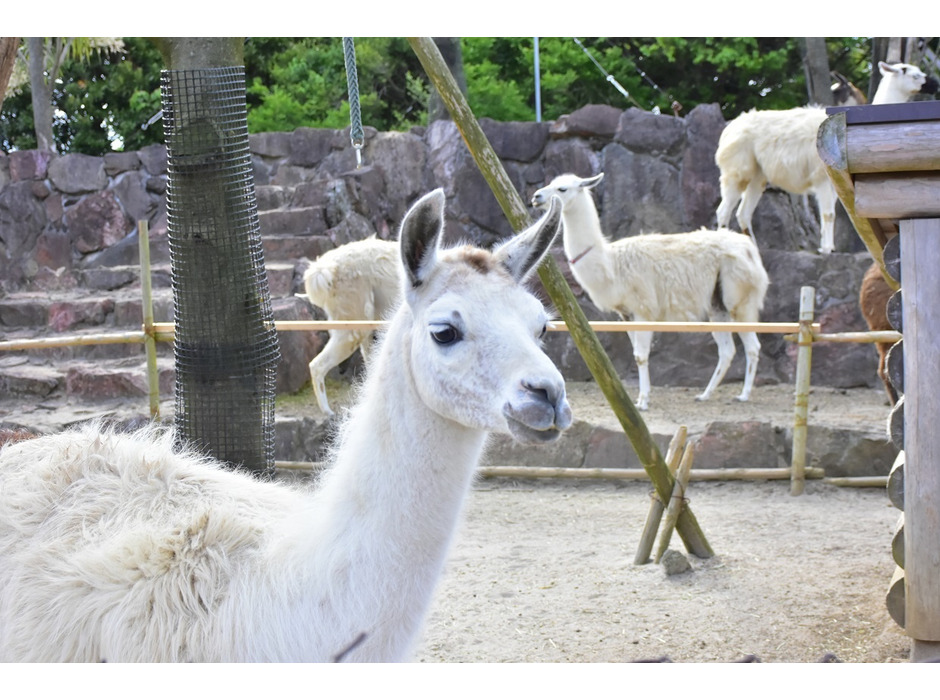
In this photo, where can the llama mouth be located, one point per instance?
(529, 435)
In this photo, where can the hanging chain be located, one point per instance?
(352, 85)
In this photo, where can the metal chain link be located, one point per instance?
(356, 134)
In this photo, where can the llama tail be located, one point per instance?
(318, 283)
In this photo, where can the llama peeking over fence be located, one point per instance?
(125, 548)
(663, 277)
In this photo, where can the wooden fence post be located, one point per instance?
(150, 341)
(804, 362)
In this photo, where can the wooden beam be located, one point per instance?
(920, 260)
(898, 196)
(904, 148)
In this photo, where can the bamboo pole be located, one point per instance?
(615, 474)
(168, 329)
(657, 507)
(62, 341)
(150, 342)
(677, 503)
(804, 360)
(583, 336)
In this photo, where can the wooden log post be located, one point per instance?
(582, 334)
(804, 362)
(920, 260)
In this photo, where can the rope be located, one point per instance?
(356, 135)
(676, 107)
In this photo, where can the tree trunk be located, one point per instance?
(816, 68)
(450, 51)
(225, 345)
(41, 94)
(8, 46)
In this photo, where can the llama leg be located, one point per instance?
(752, 195)
(826, 199)
(341, 345)
(642, 341)
(752, 353)
(730, 196)
(725, 355)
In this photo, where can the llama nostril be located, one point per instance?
(540, 392)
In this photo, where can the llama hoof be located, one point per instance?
(826, 251)
(703, 397)
(741, 397)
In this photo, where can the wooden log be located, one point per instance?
(676, 503)
(853, 337)
(894, 313)
(920, 258)
(894, 598)
(896, 424)
(894, 366)
(897, 542)
(895, 485)
(893, 147)
(657, 507)
(893, 196)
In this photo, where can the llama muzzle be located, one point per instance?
(538, 413)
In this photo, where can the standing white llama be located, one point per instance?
(117, 547)
(358, 281)
(778, 147)
(663, 277)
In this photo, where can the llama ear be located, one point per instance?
(589, 182)
(420, 236)
(522, 253)
(886, 68)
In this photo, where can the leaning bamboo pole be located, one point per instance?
(583, 336)
(677, 503)
(657, 507)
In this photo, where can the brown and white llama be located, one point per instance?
(121, 547)
(663, 277)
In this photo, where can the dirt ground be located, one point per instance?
(542, 571)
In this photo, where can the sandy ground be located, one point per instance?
(542, 571)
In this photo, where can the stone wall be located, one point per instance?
(68, 223)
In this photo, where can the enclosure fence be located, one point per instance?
(804, 332)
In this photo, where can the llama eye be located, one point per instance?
(446, 335)
(543, 331)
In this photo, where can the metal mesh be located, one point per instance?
(226, 346)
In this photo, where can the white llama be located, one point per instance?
(118, 547)
(778, 147)
(356, 281)
(663, 277)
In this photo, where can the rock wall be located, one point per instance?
(68, 227)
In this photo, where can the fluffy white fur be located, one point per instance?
(358, 281)
(778, 147)
(663, 277)
(118, 547)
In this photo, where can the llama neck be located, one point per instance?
(388, 508)
(582, 229)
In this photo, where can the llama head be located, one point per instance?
(909, 79)
(566, 187)
(474, 349)
(844, 92)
